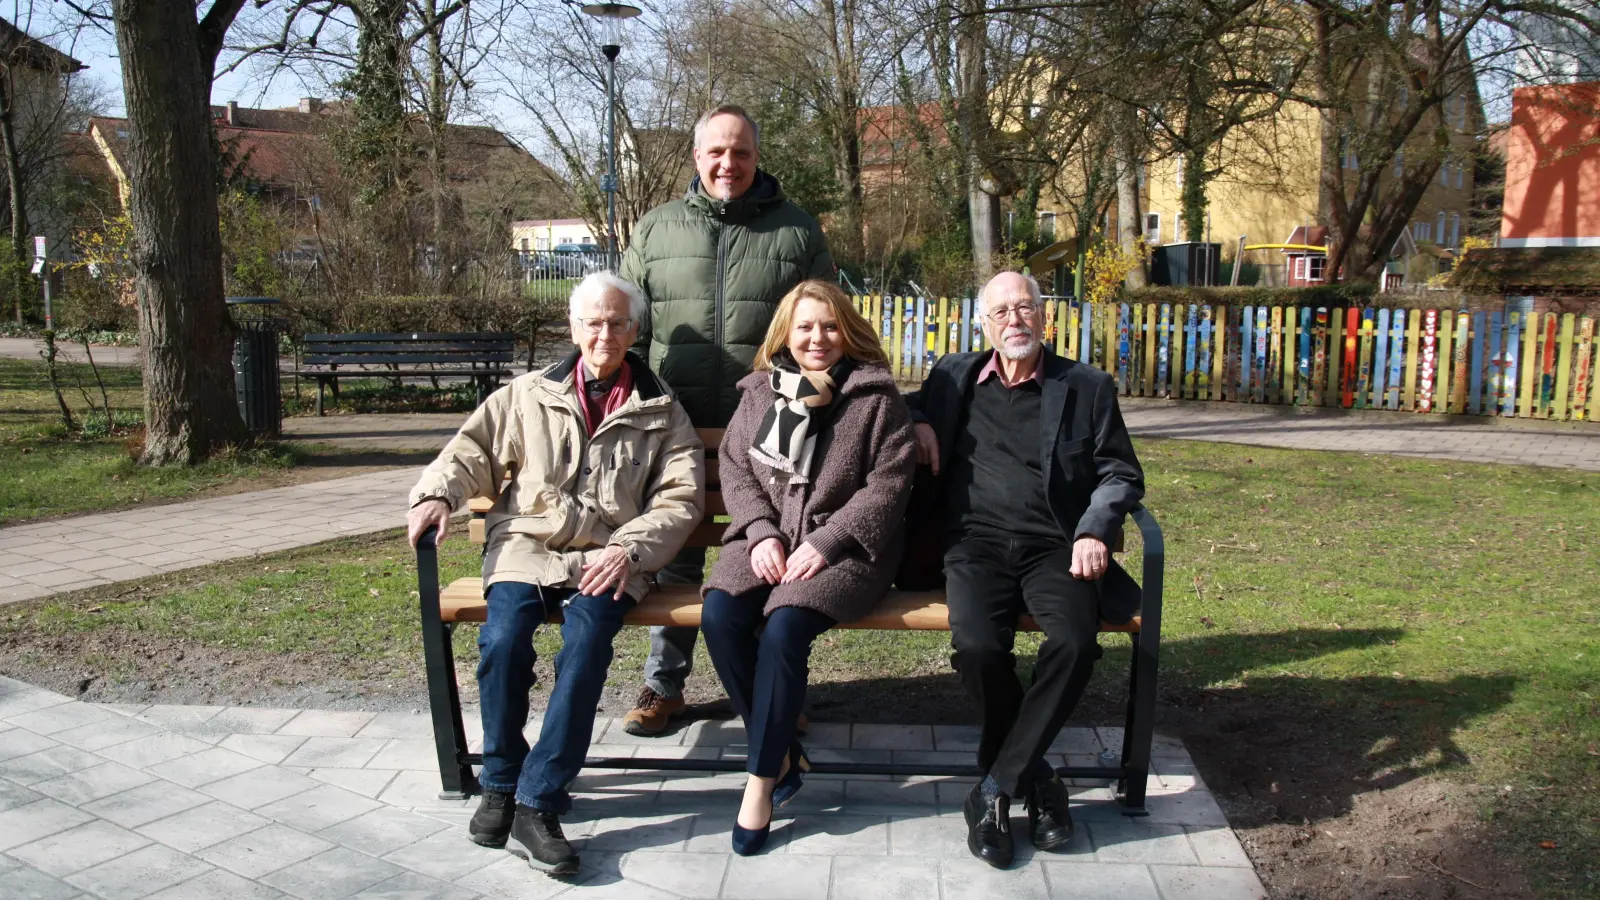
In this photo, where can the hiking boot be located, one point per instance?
(536, 837)
(988, 813)
(651, 714)
(1049, 821)
(491, 824)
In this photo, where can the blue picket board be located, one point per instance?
(1302, 387)
(1475, 378)
(1191, 329)
(1513, 353)
(1247, 321)
(1086, 334)
(1397, 347)
(1262, 334)
(1380, 359)
(1163, 349)
(965, 340)
(1497, 363)
(1124, 348)
(1203, 383)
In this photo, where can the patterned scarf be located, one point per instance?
(787, 438)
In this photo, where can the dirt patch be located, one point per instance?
(1321, 818)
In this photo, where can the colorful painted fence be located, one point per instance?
(1535, 365)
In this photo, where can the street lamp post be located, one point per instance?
(611, 16)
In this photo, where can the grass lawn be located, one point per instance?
(45, 472)
(1338, 628)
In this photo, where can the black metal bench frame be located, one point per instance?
(1131, 773)
(485, 357)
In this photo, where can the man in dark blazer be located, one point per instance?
(1033, 473)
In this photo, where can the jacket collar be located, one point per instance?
(764, 194)
(646, 386)
(863, 377)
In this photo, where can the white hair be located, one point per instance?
(1034, 293)
(596, 285)
(725, 109)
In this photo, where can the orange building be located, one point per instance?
(1552, 194)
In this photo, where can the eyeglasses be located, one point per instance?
(1026, 310)
(617, 326)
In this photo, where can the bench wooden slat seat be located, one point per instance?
(462, 602)
(484, 357)
(675, 604)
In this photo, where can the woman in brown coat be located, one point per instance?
(816, 468)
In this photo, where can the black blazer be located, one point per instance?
(1091, 475)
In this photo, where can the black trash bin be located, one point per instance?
(255, 365)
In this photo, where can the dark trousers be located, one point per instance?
(505, 675)
(763, 669)
(989, 582)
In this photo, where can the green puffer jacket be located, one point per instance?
(714, 271)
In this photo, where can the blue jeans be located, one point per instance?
(505, 675)
(671, 658)
(763, 669)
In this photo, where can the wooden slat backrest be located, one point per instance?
(411, 337)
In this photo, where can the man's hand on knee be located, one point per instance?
(1089, 558)
(425, 514)
(927, 446)
(611, 569)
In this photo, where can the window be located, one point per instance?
(1444, 173)
(1461, 169)
(523, 245)
(1347, 153)
(1404, 94)
(1177, 228)
(1455, 229)
(1440, 222)
(1152, 228)
(1400, 163)
(1318, 266)
(1300, 269)
(1047, 228)
(1177, 177)
(1421, 231)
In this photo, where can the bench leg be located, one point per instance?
(320, 383)
(444, 699)
(1138, 729)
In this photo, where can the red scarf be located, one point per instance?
(595, 413)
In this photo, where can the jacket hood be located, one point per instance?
(864, 378)
(764, 194)
(645, 383)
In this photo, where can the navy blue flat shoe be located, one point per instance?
(790, 783)
(749, 841)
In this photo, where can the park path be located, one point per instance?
(45, 558)
(31, 348)
(200, 802)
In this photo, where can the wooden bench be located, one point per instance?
(485, 357)
(462, 601)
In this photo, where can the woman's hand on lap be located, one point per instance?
(768, 561)
(804, 564)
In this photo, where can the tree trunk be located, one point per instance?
(184, 328)
(1194, 195)
(18, 204)
(1128, 220)
(983, 207)
(437, 115)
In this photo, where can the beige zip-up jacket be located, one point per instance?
(638, 482)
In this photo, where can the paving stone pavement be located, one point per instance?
(45, 558)
(169, 802)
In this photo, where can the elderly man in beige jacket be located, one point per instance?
(606, 483)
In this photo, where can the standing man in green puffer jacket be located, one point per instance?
(714, 265)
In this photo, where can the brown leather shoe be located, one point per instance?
(802, 724)
(651, 714)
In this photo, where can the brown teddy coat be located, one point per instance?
(851, 511)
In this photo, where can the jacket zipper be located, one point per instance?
(718, 331)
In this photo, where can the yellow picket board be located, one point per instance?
(1408, 397)
(1061, 327)
(1074, 323)
(1558, 410)
(1441, 383)
(1291, 354)
(1528, 366)
(1150, 340)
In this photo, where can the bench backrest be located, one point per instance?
(480, 348)
(707, 534)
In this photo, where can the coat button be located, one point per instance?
(586, 470)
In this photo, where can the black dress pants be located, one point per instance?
(989, 582)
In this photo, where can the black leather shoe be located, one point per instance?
(536, 837)
(1049, 821)
(491, 824)
(989, 827)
